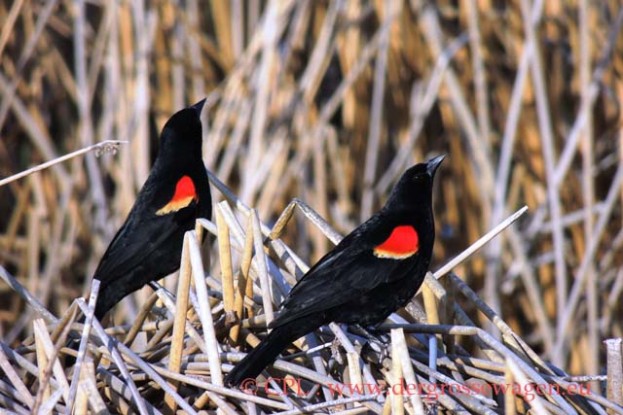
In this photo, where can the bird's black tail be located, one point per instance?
(110, 294)
(268, 350)
(260, 357)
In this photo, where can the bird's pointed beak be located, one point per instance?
(433, 164)
(199, 106)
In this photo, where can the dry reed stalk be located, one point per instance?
(89, 388)
(116, 357)
(23, 392)
(168, 301)
(42, 363)
(179, 322)
(615, 370)
(523, 381)
(205, 313)
(245, 283)
(509, 397)
(395, 379)
(53, 364)
(402, 356)
(376, 109)
(77, 375)
(354, 369)
(227, 274)
(261, 266)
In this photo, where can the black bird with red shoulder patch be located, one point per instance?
(148, 246)
(372, 272)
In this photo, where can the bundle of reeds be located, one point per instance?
(327, 102)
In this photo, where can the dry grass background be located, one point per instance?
(329, 101)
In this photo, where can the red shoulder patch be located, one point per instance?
(401, 243)
(184, 194)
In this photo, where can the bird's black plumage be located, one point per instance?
(148, 245)
(372, 272)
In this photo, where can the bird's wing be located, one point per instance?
(140, 235)
(350, 269)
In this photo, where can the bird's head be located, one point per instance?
(414, 189)
(183, 130)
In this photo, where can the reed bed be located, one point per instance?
(324, 103)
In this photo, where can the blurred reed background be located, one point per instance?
(329, 101)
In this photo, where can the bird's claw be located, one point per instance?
(335, 351)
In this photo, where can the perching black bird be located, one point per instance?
(372, 272)
(148, 246)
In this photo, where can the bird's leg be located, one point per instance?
(381, 335)
(335, 350)
(378, 342)
(372, 334)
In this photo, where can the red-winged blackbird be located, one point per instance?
(372, 272)
(149, 244)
